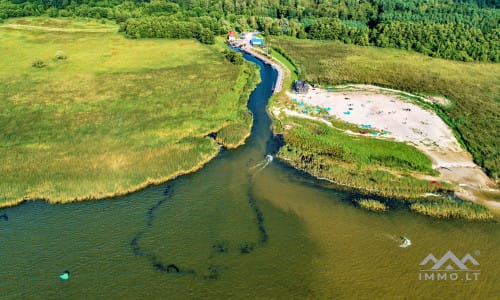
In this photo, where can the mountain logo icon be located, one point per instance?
(449, 262)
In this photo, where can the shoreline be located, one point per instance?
(465, 191)
(136, 188)
(449, 159)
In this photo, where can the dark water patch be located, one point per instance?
(259, 216)
(221, 247)
(214, 272)
(4, 217)
(134, 244)
(168, 191)
(274, 144)
(160, 266)
(246, 248)
(151, 211)
(212, 135)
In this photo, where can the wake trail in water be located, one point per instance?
(403, 241)
(262, 165)
(392, 237)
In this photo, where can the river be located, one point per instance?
(239, 229)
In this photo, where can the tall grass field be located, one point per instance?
(112, 114)
(473, 88)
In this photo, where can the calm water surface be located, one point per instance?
(236, 229)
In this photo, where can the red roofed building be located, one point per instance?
(231, 36)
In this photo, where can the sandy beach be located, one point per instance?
(392, 114)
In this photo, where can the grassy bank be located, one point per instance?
(372, 166)
(112, 117)
(474, 88)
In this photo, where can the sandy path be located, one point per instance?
(386, 111)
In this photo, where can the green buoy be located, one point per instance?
(64, 275)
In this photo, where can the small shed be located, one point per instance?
(256, 41)
(301, 87)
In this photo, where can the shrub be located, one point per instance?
(38, 63)
(60, 55)
(234, 57)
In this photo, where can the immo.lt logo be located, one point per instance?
(449, 267)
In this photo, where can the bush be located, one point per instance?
(60, 55)
(38, 64)
(234, 57)
(53, 12)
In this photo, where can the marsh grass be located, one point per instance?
(372, 205)
(372, 166)
(453, 209)
(115, 116)
(473, 88)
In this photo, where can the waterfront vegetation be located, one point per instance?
(372, 205)
(473, 88)
(390, 175)
(115, 115)
(452, 209)
(372, 166)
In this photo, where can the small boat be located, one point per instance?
(406, 242)
(269, 157)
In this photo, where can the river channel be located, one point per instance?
(243, 227)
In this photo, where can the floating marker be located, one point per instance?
(64, 275)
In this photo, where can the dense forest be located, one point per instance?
(463, 30)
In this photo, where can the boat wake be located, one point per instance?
(406, 241)
(261, 165)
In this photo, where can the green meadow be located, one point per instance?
(114, 115)
(473, 88)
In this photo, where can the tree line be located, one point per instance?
(453, 29)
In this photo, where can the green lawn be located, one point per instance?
(474, 88)
(116, 115)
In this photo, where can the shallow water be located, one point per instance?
(236, 229)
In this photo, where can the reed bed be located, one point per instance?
(453, 209)
(113, 117)
(378, 167)
(372, 205)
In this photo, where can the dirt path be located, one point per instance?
(246, 47)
